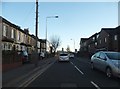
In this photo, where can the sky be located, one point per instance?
(76, 19)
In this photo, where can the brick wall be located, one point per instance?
(10, 60)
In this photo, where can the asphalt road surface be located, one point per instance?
(76, 73)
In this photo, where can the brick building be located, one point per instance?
(107, 39)
(15, 39)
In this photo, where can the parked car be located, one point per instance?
(108, 62)
(71, 55)
(63, 57)
(24, 57)
(42, 55)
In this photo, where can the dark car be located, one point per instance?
(24, 57)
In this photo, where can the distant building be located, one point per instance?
(42, 45)
(83, 44)
(107, 39)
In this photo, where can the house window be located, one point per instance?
(93, 38)
(89, 46)
(105, 40)
(96, 43)
(18, 35)
(15, 34)
(9, 46)
(97, 35)
(24, 38)
(12, 33)
(4, 30)
(5, 46)
(84, 43)
(115, 37)
(100, 41)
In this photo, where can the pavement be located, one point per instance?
(14, 77)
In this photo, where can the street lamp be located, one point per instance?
(46, 27)
(74, 43)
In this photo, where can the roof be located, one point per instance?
(13, 25)
(9, 23)
(117, 29)
(84, 39)
(110, 31)
(94, 35)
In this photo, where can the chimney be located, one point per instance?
(26, 30)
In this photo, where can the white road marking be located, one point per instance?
(77, 68)
(95, 85)
(31, 79)
(71, 63)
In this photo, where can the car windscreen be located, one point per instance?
(113, 56)
(63, 54)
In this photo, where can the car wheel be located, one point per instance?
(109, 72)
(92, 66)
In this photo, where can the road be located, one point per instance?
(76, 73)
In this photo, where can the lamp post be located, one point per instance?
(46, 27)
(74, 43)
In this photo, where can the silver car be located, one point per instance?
(71, 55)
(63, 57)
(108, 62)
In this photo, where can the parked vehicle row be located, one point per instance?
(25, 57)
(105, 61)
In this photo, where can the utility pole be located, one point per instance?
(36, 24)
(36, 32)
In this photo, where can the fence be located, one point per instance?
(10, 60)
(10, 57)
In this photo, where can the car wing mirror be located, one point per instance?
(105, 59)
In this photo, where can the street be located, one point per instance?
(71, 44)
(76, 73)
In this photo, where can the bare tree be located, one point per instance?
(55, 41)
(68, 48)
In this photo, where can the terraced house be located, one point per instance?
(107, 39)
(14, 39)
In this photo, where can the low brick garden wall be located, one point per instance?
(10, 60)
